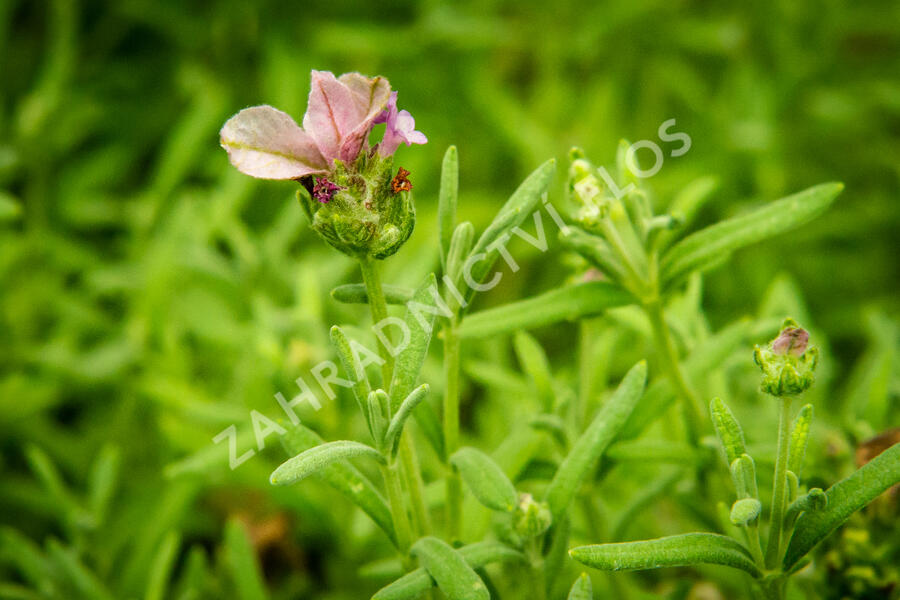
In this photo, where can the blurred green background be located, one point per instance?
(151, 296)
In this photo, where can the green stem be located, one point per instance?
(754, 543)
(779, 486)
(451, 426)
(410, 461)
(669, 355)
(398, 507)
(378, 306)
(407, 453)
(536, 562)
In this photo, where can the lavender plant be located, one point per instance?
(358, 204)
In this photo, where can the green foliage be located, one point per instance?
(710, 245)
(589, 447)
(842, 500)
(673, 551)
(306, 463)
(449, 570)
(485, 479)
(151, 297)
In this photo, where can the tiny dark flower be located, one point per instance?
(324, 190)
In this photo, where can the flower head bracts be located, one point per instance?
(788, 363)
(401, 128)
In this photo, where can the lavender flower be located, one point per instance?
(400, 128)
(791, 340)
(265, 142)
(348, 192)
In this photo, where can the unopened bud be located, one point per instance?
(788, 363)
(531, 518)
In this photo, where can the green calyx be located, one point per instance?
(786, 372)
(364, 217)
(530, 517)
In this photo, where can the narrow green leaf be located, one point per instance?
(728, 429)
(552, 424)
(476, 556)
(814, 499)
(353, 368)
(343, 477)
(382, 568)
(20, 551)
(799, 439)
(487, 481)
(449, 570)
(431, 427)
(447, 199)
(534, 362)
(102, 481)
(556, 556)
(512, 214)
(70, 566)
(594, 249)
(727, 236)
(161, 568)
(392, 439)
(844, 498)
(588, 449)
(582, 589)
(654, 450)
(378, 416)
(242, 563)
(460, 246)
(743, 474)
(355, 293)
(305, 464)
(673, 551)
(421, 312)
(565, 304)
(195, 575)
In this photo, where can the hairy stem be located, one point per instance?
(410, 461)
(378, 306)
(399, 514)
(536, 563)
(669, 355)
(754, 544)
(407, 452)
(779, 486)
(451, 426)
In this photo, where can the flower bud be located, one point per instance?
(788, 363)
(745, 511)
(531, 518)
(586, 190)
